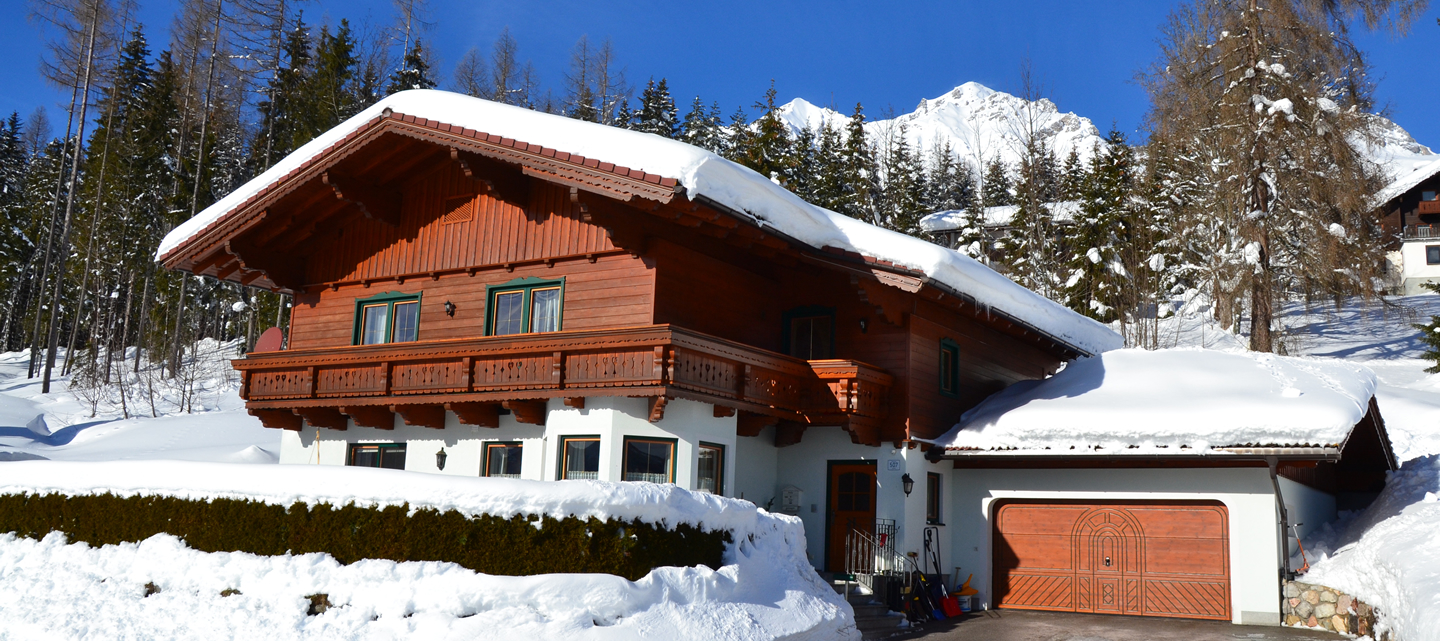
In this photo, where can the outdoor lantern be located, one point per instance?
(441, 456)
(864, 325)
(905, 482)
(449, 308)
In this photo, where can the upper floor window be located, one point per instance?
(949, 367)
(810, 332)
(387, 318)
(525, 305)
(1427, 195)
(1432, 254)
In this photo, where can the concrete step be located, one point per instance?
(869, 609)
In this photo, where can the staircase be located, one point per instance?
(872, 617)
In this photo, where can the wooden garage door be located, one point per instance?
(1169, 560)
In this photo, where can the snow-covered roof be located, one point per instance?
(1406, 183)
(1170, 402)
(1062, 211)
(702, 174)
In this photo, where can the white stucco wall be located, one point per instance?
(1307, 506)
(1247, 494)
(611, 418)
(755, 469)
(1414, 267)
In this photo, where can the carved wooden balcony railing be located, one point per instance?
(1429, 207)
(475, 378)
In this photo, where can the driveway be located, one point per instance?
(1022, 625)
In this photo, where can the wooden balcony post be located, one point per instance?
(557, 369)
(467, 379)
(310, 382)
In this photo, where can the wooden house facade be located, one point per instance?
(471, 303)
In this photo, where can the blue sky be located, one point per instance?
(1085, 54)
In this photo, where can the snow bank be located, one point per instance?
(703, 174)
(766, 589)
(1393, 562)
(1172, 398)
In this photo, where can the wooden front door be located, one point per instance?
(852, 507)
(1148, 559)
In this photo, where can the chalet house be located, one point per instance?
(1171, 483)
(1409, 212)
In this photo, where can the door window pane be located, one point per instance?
(710, 468)
(810, 337)
(932, 497)
(648, 461)
(1432, 255)
(545, 310)
(407, 319)
(373, 329)
(393, 457)
(582, 459)
(509, 307)
(503, 460)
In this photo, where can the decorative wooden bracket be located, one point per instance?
(375, 204)
(479, 414)
(254, 262)
(577, 402)
(326, 417)
(891, 302)
(721, 411)
(465, 167)
(750, 423)
(788, 433)
(374, 416)
(657, 408)
(423, 415)
(531, 412)
(278, 419)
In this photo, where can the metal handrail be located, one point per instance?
(871, 554)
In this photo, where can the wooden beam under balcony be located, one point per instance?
(478, 414)
(426, 415)
(378, 417)
(326, 417)
(527, 411)
(279, 419)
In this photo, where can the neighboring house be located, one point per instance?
(486, 290)
(1160, 483)
(948, 227)
(1409, 211)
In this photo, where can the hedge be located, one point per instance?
(489, 544)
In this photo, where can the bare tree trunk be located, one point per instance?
(52, 344)
(39, 292)
(140, 321)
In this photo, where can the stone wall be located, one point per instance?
(1316, 606)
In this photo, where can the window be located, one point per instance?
(932, 498)
(391, 317)
(810, 332)
(580, 458)
(386, 455)
(503, 460)
(1427, 195)
(710, 470)
(649, 460)
(524, 305)
(949, 367)
(1432, 254)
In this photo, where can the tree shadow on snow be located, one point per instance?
(62, 436)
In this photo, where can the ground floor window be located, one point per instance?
(649, 459)
(580, 458)
(710, 470)
(387, 455)
(932, 498)
(503, 460)
(1432, 254)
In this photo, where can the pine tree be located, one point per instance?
(769, 148)
(737, 135)
(1098, 274)
(997, 185)
(702, 128)
(1430, 334)
(329, 88)
(803, 163)
(284, 118)
(1029, 244)
(828, 186)
(1072, 177)
(904, 186)
(860, 170)
(414, 71)
(657, 113)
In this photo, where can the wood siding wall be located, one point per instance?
(520, 220)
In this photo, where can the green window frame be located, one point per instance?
(566, 471)
(639, 464)
(818, 326)
(949, 370)
(382, 308)
(384, 455)
(933, 484)
(490, 462)
(717, 467)
(525, 293)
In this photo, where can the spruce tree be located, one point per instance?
(702, 128)
(1430, 334)
(1098, 275)
(284, 114)
(997, 186)
(828, 185)
(903, 187)
(737, 135)
(329, 87)
(860, 170)
(657, 113)
(768, 149)
(414, 72)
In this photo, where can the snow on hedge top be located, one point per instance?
(702, 174)
(313, 484)
(1134, 401)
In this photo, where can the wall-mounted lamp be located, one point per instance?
(907, 483)
(441, 456)
(449, 308)
(864, 325)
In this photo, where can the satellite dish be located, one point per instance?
(271, 340)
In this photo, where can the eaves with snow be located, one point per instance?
(693, 173)
(1172, 402)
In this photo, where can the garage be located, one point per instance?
(1137, 558)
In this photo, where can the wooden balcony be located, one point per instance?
(1428, 207)
(1422, 232)
(476, 378)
